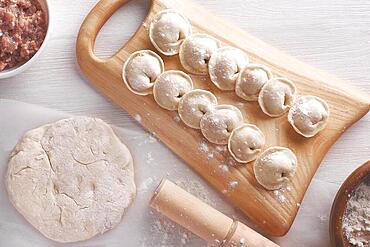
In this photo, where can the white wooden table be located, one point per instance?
(331, 35)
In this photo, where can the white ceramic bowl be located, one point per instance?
(45, 5)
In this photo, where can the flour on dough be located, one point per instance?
(225, 65)
(194, 105)
(169, 88)
(72, 179)
(274, 167)
(216, 125)
(196, 51)
(141, 70)
(308, 115)
(250, 81)
(167, 30)
(276, 96)
(246, 142)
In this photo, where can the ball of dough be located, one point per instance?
(72, 179)
(308, 115)
(141, 70)
(276, 96)
(225, 65)
(194, 105)
(274, 167)
(169, 88)
(250, 81)
(196, 51)
(167, 30)
(246, 142)
(216, 125)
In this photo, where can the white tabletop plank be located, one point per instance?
(331, 35)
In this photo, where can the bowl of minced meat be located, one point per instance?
(24, 28)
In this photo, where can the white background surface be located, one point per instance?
(331, 35)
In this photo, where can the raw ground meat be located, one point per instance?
(23, 28)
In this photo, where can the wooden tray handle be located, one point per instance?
(91, 26)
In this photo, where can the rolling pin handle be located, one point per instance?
(203, 220)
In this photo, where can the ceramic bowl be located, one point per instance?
(45, 5)
(337, 237)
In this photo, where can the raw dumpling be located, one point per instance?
(72, 179)
(141, 70)
(167, 30)
(250, 81)
(194, 105)
(216, 125)
(274, 167)
(225, 65)
(308, 115)
(169, 88)
(276, 96)
(246, 142)
(196, 51)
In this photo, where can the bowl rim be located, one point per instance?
(338, 208)
(19, 69)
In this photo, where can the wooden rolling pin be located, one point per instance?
(203, 220)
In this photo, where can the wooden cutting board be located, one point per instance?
(270, 213)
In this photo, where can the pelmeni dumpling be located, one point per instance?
(308, 115)
(225, 65)
(276, 96)
(274, 167)
(216, 125)
(250, 81)
(246, 142)
(194, 104)
(196, 51)
(169, 87)
(141, 70)
(167, 30)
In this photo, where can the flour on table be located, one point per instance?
(223, 168)
(149, 158)
(177, 119)
(137, 117)
(164, 232)
(280, 196)
(210, 150)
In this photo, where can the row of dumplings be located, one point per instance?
(199, 109)
(229, 69)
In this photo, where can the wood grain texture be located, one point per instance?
(331, 35)
(347, 105)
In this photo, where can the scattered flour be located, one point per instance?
(280, 196)
(197, 189)
(149, 158)
(137, 117)
(166, 233)
(144, 187)
(221, 148)
(177, 119)
(323, 218)
(203, 147)
(223, 168)
(149, 138)
(233, 184)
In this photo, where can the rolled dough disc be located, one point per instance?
(71, 179)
